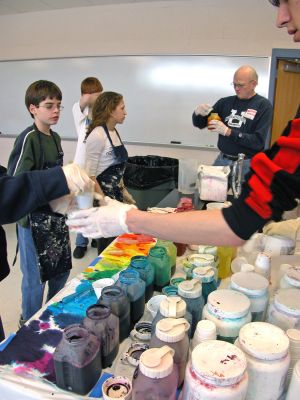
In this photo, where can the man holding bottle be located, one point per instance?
(242, 121)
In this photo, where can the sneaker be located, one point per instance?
(22, 321)
(79, 251)
(94, 243)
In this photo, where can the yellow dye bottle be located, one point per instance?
(226, 254)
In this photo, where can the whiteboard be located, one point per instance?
(160, 92)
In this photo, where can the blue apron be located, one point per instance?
(109, 179)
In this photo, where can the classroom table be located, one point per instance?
(26, 357)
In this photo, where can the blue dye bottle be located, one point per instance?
(146, 271)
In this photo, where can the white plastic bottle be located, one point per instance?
(216, 371)
(266, 348)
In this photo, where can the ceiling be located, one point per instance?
(23, 6)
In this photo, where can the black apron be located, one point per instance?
(109, 180)
(50, 233)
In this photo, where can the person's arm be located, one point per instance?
(94, 150)
(256, 138)
(272, 187)
(22, 194)
(79, 117)
(201, 114)
(206, 227)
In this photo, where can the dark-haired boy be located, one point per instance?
(43, 235)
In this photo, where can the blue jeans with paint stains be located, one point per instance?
(32, 288)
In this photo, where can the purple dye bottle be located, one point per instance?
(156, 377)
(116, 299)
(105, 325)
(77, 360)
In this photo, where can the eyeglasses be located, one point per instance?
(51, 107)
(240, 85)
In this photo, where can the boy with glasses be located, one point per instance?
(43, 236)
(245, 120)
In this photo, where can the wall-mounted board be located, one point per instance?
(160, 92)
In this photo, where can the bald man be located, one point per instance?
(245, 120)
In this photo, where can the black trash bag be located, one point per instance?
(144, 172)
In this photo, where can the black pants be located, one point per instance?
(102, 243)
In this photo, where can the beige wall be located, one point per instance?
(229, 27)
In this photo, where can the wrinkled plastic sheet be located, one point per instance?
(144, 172)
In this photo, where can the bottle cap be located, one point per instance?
(202, 249)
(157, 363)
(292, 275)
(201, 260)
(250, 283)
(190, 289)
(288, 301)
(171, 330)
(174, 307)
(206, 330)
(263, 341)
(226, 303)
(218, 362)
(204, 274)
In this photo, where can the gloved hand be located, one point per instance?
(289, 229)
(218, 127)
(203, 109)
(78, 182)
(106, 221)
(127, 198)
(77, 179)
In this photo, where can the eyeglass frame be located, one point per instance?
(50, 107)
(241, 85)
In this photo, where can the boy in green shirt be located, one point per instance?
(44, 244)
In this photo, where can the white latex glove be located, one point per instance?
(78, 181)
(106, 221)
(203, 109)
(289, 229)
(218, 127)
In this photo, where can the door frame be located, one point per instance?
(278, 54)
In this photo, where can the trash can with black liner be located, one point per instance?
(150, 178)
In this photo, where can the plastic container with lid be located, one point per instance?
(291, 278)
(284, 311)
(263, 264)
(116, 299)
(172, 307)
(142, 265)
(105, 325)
(172, 252)
(294, 387)
(160, 260)
(255, 287)
(205, 330)
(266, 348)
(191, 293)
(77, 360)
(226, 254)
(207, 277)
(216, 371)
(156, 374)
(134, 287)
(173, 333)
(229, 310)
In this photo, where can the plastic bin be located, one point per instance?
(150, 178)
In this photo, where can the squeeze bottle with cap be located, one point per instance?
(156, 374)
